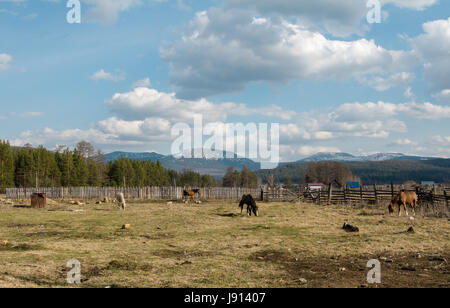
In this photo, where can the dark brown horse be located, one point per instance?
(251, 205)
(191, 194)
(403, 199)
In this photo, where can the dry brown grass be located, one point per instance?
(210, 245)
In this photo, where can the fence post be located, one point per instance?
(361, 193)
(330, 193)
(445, 197)
(375, 192)
(433, 193)
(345, 194)
(392, 190)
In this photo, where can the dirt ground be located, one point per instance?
(212, 245)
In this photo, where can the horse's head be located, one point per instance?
(391, 206)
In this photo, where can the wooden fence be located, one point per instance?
(376, 194)
(144, 193)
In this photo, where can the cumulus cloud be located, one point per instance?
(142, 103)
(143, 83)
(5, 60)
(359, 120)
(340, 18)
(224, 50)
(146, 116)
(102, 75)
(385, 83)
(433, 48)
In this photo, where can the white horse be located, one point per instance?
(121, 199)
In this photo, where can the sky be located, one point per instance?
(132, 69)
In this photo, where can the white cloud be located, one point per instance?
(107, 11)
(340, 18)
(150, 129)
(405, 142)
(142, 103)
(143, 83)
(443, 141)
(102, 75)
(367, 111)
(419, 5)
(359, 120)
(224, 50)
(5, 60)
(31, 114)
(444, 95)
(385, 83)
(433, 48)
(289, 153)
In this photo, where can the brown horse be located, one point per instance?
(403, 199)
(191, 193)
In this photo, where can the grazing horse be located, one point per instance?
(191, 193)
(251, 205)
(403, 199)
(121, 200)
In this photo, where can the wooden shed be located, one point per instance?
(38, 201)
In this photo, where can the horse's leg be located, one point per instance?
(399, 210)
(405, 206)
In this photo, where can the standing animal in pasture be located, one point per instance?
(403, 199)
(121, 200)
(191, 194)
(251, 205)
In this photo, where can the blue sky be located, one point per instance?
(133, 68)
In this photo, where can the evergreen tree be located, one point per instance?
(6, 165)
(94, 178)
(248, 178)
(65, 165)
(80, 170)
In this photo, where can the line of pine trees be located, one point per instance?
(83, 166)
(245, 178)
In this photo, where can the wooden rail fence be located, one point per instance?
(144, 193)
(376, 194)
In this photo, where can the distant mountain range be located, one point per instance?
(207, 165)
(217, 167)
(345, 157)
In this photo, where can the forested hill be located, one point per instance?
(213, 167)
(375, 172)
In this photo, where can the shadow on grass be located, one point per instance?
(230, 215)
(21, 247)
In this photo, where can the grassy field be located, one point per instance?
(212, 245)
